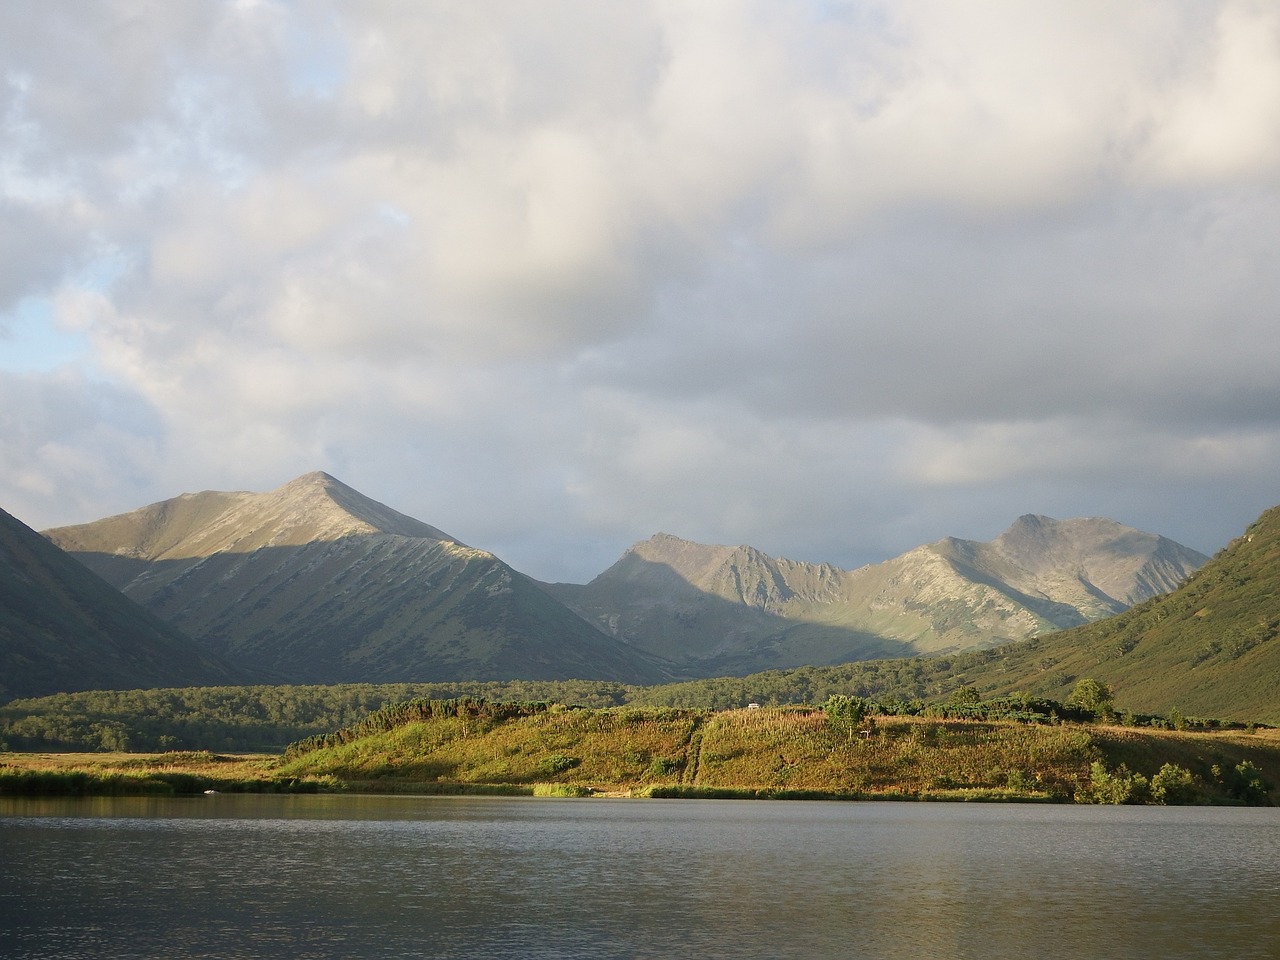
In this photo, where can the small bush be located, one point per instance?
(665, 767)
(557, 763)
(1243, 783)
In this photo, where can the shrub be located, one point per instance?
(1114, 786)
(845, 714)
(1243, 783)
(1174, 785)
(560, 790)
(665, 767)
(557, 763)
(1092, 696)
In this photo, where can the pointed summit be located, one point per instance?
(315, 582)
(314, 507)
(317, 506)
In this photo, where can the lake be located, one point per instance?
(339, 876)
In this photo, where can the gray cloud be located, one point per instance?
(832, 279)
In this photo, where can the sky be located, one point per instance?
(832, 279)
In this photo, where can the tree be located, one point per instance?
(845, 714)
(1093, 697)
(965, 696)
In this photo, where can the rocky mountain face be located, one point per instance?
(727, 610)
(63, 629)
(315, 583)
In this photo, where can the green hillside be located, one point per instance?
(1209, 648)
(431, 746)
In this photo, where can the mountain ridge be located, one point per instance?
(315, 582)
(1210, 647)
(705, 606)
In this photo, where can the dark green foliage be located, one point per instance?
(1243, 782)
(965, 697)
(243, 719)
(666, 767)
(75, 783)
(1093, 697)
(265, 718)
(845, 715)
(1117, 786)
(557, 763)
(1021, 707)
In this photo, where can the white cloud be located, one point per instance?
(830, 278)
(1221, 119)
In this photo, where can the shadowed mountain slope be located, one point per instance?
(721, 609)
(314, 582)
(62, 628)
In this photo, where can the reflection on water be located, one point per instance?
(328, 876)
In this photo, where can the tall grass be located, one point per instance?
(776, 752)
(165, 774)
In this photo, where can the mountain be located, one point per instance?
(63, 629)
(315, 583)
(1210, 648)
(733, 610)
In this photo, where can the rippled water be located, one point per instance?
(329, 876)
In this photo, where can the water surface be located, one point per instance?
(332, 876)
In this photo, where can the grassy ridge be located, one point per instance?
(604, 749)
(777, 752)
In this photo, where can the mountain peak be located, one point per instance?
(321, 507)
(317, 506)
(687, 558)
(316, 478)
(314, 507)
(315, 581)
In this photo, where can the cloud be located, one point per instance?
(830, 278)
(64, 435)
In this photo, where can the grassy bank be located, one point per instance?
(163, 774)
